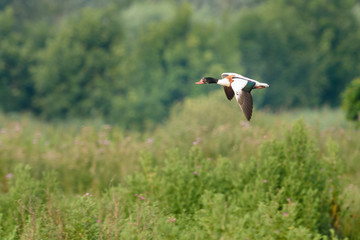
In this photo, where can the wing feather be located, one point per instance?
(237, 76)
(244, 98)
(229, 93)
(245, 101)
(224, 75)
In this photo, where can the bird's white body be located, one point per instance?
(239, 80)
(224, 82)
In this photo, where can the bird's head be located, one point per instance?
(207, 80)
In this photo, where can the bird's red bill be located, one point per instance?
(199, 82)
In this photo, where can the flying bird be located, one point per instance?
(238, 85)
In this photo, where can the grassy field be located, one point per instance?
(205, 173)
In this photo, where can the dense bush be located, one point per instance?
(16, 86)
(351, 100)
(77, 66)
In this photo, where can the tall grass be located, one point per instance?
(204, 173)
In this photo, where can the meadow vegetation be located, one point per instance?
(204, 173)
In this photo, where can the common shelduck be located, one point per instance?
(238, 85)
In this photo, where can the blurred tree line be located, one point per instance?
(129, 61)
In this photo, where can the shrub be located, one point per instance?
(351, 100)
(25, 199)
(288, 190)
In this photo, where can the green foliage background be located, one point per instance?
(149, 155)
(128, 62)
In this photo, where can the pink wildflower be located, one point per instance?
(17, 128)
(195, 172)
(288, 199)
(196, 141)
(136, 194)
(171, 219)
(285, 214)
(9, 175)
(87, 194)
(265, 181)
(142, 198)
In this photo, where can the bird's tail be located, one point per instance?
(259, 85)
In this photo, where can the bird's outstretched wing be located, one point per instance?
(237, 76)
(245, 101)
(243, 98)
(229, 93)
(224, 75)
